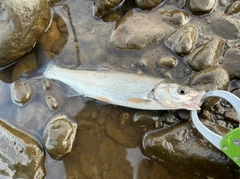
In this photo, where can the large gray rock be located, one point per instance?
(21, 24)
(182, 145)
(137, 29)
(206, 55)
(20, 156)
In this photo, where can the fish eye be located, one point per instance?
(182, 90)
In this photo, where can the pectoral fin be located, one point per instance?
(138, 100)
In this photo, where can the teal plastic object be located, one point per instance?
(230, 145)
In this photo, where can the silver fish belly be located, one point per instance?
(119, 88)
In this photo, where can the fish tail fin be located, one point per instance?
(45, 63)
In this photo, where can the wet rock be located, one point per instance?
(184, 114)
(102, 7)
(206, 55)
(233, 8)
(48, 39)
(59, 135)
(46, 85)
(215, 78)
(21, 92)
(184, 145)
(148, 4)
(201, 7)
(176, 17)
(21, 156)
(225, 27)
(169, 118)
(232, 116)
(231, 62)
(25, 64)
(52, 102)
(169, 62)
(182, 40)
(137, 29)
(145, 119)
(21, 25)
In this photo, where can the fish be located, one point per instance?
(126, 89)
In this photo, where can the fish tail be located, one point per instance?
(46, 63)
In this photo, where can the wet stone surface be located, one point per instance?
(148, 4)
(182, 40)
(21, 156)
(21, 92)
(206, 55)
(59, 136)
(201, 7)
(181, 141)
(21, 26)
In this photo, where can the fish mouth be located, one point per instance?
(197, 101)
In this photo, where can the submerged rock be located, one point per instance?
(201, 7)
(182, 40)
(146, 118)
(206, 55)
(137, 29)
(183, 145)
(148, 4)
(20, 156)
(21, 92)
(215, 78)
(226, 27)
(52, 102)
(231, 62)
(169, 62)
(59, 136)
(22, 23)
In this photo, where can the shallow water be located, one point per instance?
(108, 143)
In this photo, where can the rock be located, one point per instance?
(25, 64)
(201, 7)
(59, 135)
(21, 25)
(102, 7)
(215, 78)
(182, 40)
(206, 55)
(168, 61)
(148, 4)
(225, 27)
(181, 3)
(176, 17)
(137, 29)
(231, 62)
(21, 92)
(233, 8)
(52, 102)
(145, 118)
(46, 85)
(182, 145)
(21, 156)
(48, 39)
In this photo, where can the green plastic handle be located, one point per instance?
(230, 145)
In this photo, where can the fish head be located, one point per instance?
(176, 96)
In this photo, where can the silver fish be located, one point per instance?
(127, 89)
